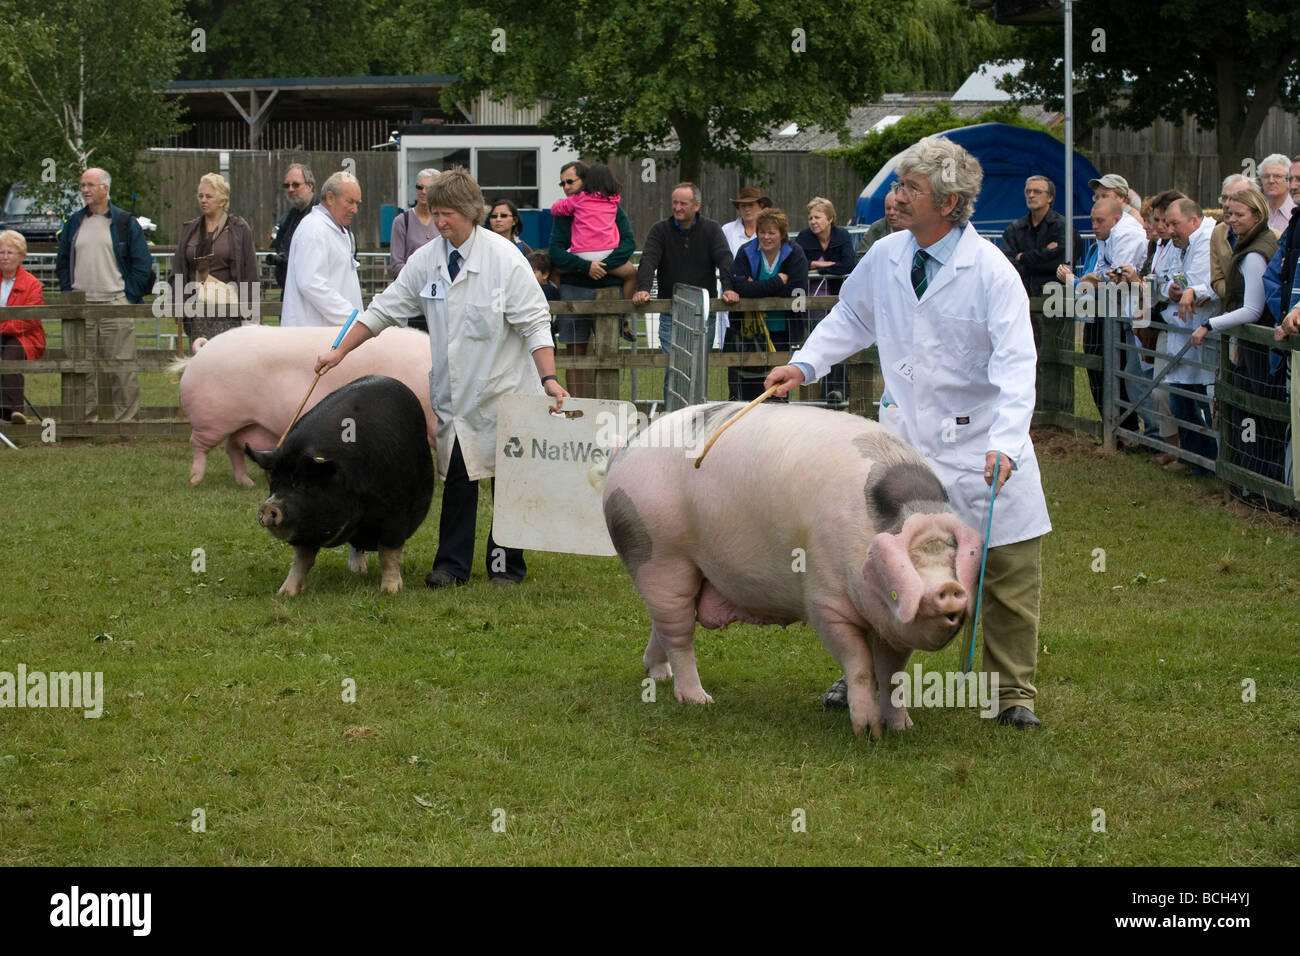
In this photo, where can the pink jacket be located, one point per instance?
(593, 221)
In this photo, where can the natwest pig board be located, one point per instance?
(550, 472)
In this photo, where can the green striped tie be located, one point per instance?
(919, 281)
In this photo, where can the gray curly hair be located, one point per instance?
(949, 169)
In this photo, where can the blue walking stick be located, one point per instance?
(979, 588)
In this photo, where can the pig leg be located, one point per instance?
(357, 560)
(257, 438)
(390, 569)
(670, 587)
(890, 661)
(303, 559)
(656, 659)
(848, 644)
(199, 465)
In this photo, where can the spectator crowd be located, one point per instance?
(1178, 280)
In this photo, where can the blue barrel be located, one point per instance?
(536, 227)
(387, 213)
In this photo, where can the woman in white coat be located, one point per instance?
(951, 319)
(490, 335)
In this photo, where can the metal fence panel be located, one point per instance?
(688, 350)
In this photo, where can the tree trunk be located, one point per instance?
(692, 132)
(1240, 117)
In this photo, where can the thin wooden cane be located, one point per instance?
(299, 411)
(735, 418)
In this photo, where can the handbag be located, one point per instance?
(753, 328)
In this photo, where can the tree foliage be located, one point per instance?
(880, 146)
(625, 75)
(1224, 65)
(248, 39)
(79, 88)
(941, 43)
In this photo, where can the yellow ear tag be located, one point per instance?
(319, 458)
(893, 595)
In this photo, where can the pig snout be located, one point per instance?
(272, 516)
(950, 603)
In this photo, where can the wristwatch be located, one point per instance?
(549, 378)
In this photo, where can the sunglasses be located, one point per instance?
(420, 189)
(292, 185)
(569, 182)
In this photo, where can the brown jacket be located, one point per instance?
(244, 269)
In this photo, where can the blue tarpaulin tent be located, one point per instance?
(1008, 154)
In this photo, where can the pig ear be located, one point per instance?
(264, 459)
(970, 547)
(314, 465)
(890, 573)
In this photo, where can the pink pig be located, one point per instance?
(797, 514)
(245, 384)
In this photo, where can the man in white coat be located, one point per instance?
(490, 335)
(321, 285)
(951, 319)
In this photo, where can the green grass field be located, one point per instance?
(527, 706)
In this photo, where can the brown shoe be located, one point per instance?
(18, 418)
(1176, 466)
(1164, 459)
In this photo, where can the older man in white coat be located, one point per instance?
(321, 285)
(951, 319)
(490, 334)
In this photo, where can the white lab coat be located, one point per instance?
(960, 364)
(1194, 263)
(483, 330)
(321, 283)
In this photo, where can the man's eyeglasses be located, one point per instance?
(419, 188)
(569, 182)
(901, 188)
(1035, 192)
(292, 185)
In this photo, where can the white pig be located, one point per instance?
(244, 385)
(797, 514)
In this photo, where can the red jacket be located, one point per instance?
(27, 290)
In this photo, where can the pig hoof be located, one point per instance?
(391, 587)
(900, 721)
(662, 671)
(290, 589)
(877, 730)
(357, 563)
(693, 696)
(242, 480)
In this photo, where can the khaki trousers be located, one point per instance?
(1009, 614)
(113, 339)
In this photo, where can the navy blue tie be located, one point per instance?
(453, 264)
